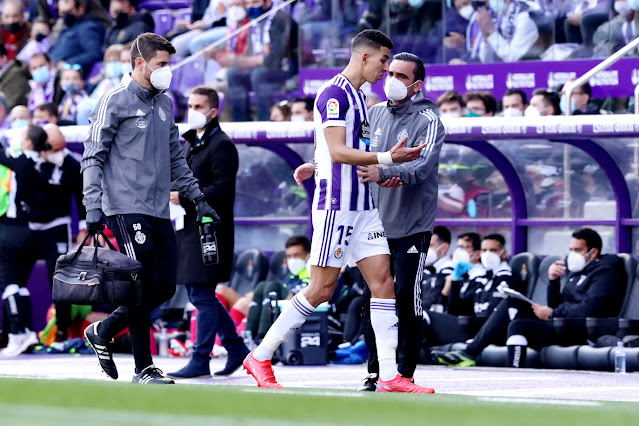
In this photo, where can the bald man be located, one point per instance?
(50, 217)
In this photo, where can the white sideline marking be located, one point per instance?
(549, 391)
(495, 379)
(542, 401)
(292, 391)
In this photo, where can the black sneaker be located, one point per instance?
(370, 383)
(152, 375)
(102, 350)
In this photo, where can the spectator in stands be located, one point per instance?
(110, 77)
(72, 83)
(619, 31)
(20, 117)
(579, 100)
(583, 20)
(543, 102)
(14, 32)
(128, 23)
(265, 69)
(372, 99)
(594, 287)
(439, 265)
(514, 103)
(5, 123)
(298, 249)
(80, 41)
(45, 113)
(302, 109)
(455, 22)
(212, 156)
(205, 31)
(281, 111)
(43, 73)
(451, 104)
(503, 32)
(480, 104)
(14, 79)
(40, 42)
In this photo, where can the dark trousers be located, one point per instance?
(264, 82)
(407, 264)
(212, 319)
(151, 241)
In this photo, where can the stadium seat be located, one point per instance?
(188, 76)
(525, 268)
(561, 357)
(497, 356)
(539, 293)
(96, 69)
(183, 14)
(277, 269)
(251, 267)
(164, 21)
(597, 359)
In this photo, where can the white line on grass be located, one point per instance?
(541, 401)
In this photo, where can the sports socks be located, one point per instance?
(291, 318)
(385, 325)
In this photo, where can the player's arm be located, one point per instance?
(340, 153)
(416, 172)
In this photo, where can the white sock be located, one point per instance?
(291, 318)
(384, 321)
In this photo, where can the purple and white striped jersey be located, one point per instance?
(337, 186)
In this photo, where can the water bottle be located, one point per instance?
(620, 359)
(163, 343)
(208, 241)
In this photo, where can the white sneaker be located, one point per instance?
(19, 343)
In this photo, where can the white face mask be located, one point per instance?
(450, 115)
(297, 118)
(513, 112)
(490, 260)
(576, 262)
(236, 13)
(295, 265)
(432, 256)
(498, 6)
(466, 11)
(197, 120)
(531, 111)
(461, 256)
(161, 77)
(395, 90)
(56, 158)
(622, 8)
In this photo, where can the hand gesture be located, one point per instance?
(402, 154)
(542, 312)
(393, 182)
(556, 270)
(485, 22)
(368, 173)
(455, 41)
(303, 172)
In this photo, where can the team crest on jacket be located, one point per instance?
(376, 136)
(401, 135)
(141, 123)
(162, 114)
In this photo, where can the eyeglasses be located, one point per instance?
(76, 67)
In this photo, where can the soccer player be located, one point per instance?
(345, 221)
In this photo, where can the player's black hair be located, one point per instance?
(372, 39)
(592, 238)
(420, 71)
(496, 237)
(300, 240)
(473, 238)
(443, 234)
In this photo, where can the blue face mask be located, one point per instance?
(126, 68)
(634, 5)
(563, 104)
(113, 69)
(255, 12)
(20, 123)
(416, 3)
(41, 75)
(70, 88)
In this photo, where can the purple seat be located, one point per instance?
(164, 4)
(163, 21)
(190, 75)
(96, 69)
(183, 15)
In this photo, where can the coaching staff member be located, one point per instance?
(212, 156)
(132, 156)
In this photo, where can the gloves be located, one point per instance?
(95, 221)
(461, 269)
(202, 209)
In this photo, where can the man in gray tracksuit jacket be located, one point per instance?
(407, 211)
(132, 157)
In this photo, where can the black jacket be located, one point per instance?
(28, 182)
(122, 33)
(597, 291)
(214, 162)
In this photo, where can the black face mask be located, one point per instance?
(69, 19)
(39, 37)
(121, 18)
(14, 28)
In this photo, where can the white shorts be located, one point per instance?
(346, 236)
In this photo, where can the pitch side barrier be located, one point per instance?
(610, 142)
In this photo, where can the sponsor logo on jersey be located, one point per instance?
(412, 250)
(376, 235)
(140, 113)
(332, 108)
